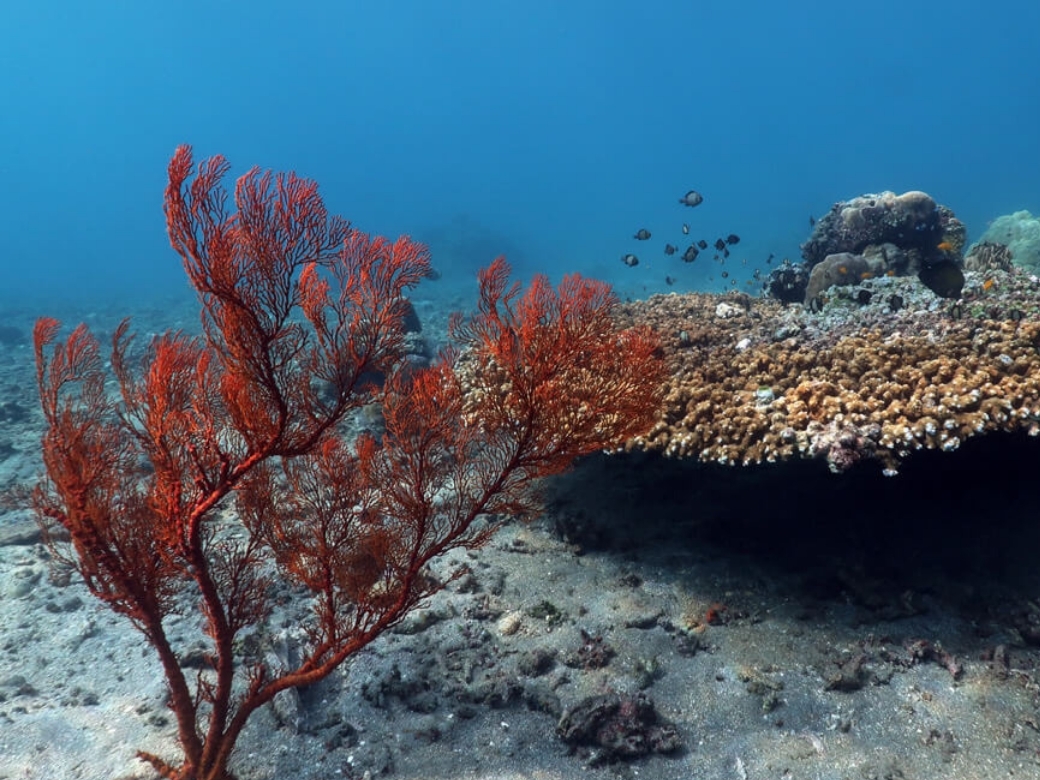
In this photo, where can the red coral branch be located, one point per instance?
(298, 308)
(576, 384)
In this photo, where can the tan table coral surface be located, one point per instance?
(753, 381)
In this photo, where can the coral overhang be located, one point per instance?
(754, 381)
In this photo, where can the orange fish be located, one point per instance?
(866, 275)
(988, 284)
(945, 246)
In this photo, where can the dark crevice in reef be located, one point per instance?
(963, 521)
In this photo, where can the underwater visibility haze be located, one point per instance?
(550, 132)
(838, 200)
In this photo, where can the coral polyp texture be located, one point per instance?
(886, 368)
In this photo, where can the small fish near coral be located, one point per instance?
(642, 234)
(945, 279)
(691, 199)
(630, 260)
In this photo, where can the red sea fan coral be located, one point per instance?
(299, 312)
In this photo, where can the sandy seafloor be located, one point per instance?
(784, 621)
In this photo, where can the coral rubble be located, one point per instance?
(883, 369)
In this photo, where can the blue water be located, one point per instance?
(549, 130)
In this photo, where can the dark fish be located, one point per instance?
(630, 260)
(725, 252)
(642, 235)
(724, 274)
(685, 229)
(720, 244)
(812, 221)
(690, 254)
(944, 279)
(669, 249)
(692, 198)
(770, 258)
(732, 239)
(702, 244)
(669, 280)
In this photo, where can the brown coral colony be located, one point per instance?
(878, 393)
(872, 366)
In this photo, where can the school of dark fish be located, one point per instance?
(722, 244)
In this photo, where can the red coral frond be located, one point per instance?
(281, 249)
(251, 412)
(554, 366)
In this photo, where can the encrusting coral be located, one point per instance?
(885, 369)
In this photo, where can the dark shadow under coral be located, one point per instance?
(960, 526)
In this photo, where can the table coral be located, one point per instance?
(864, 378)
